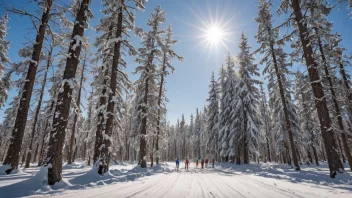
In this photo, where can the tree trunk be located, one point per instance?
(143, 143)
(48, 64)
(238, 155)
(57, 134)
(151, 154)
(245, 139)
(78, 104)
(74, 153)
(105, 154)
(14, 149)
(23, 157)
(315, 155)
(320, 101)
(41, 152)
(309, 156)
(284, 105)
(336, 105)
(102, 104)
(323, 151)
(36, 153)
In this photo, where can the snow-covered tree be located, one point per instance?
(276, 68)
(309, 125)
(82, 15)
(246, 118)
(4, 60)
(227, 139)
(168, 55)
(146, 85)
(265, 119)
(304, 31)
(112, 81)
(14, 149)
(77, 102)
(213, 118)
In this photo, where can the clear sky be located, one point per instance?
(187, 88)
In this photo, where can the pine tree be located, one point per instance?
(191, 136)
(227, 139)
(327, 132)
(8, 124)
(197, 127)
(116, 26)
(222, 119)
(146, 84)
(40, 99)
(265, 117)
(57, 134)
(308, 124)
(183, 136)
(168, 55)
(213, 118)
(245, 103)
(276, 64)
(125, 22)
(78, 103)
(322, 29)
(14, 149)
(4, 60)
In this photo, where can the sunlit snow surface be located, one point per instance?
(225, 180)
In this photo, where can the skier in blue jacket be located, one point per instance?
(177, 164)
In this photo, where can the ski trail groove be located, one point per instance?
(160, 183)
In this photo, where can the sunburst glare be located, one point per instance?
(214, 34)
(215, 29)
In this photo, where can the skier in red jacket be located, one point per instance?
(186, 164)
(202, 162)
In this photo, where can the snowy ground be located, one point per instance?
(225, 180)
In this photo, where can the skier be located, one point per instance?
(213, 162)
(186, 164)
(206, 162)
(177, 164)
(202, 163)
(197, 164)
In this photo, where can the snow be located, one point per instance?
(79, 40)
(225, 180)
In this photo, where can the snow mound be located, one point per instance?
(4, 168)
(35, 185)
(92, 178)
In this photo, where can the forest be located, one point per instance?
(296, 117)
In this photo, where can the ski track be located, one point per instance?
(209, 182)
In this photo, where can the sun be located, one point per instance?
(213, 29)
(214, 34)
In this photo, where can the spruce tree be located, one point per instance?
(213, 118)
(247, 122)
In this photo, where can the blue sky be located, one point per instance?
(187, 88)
